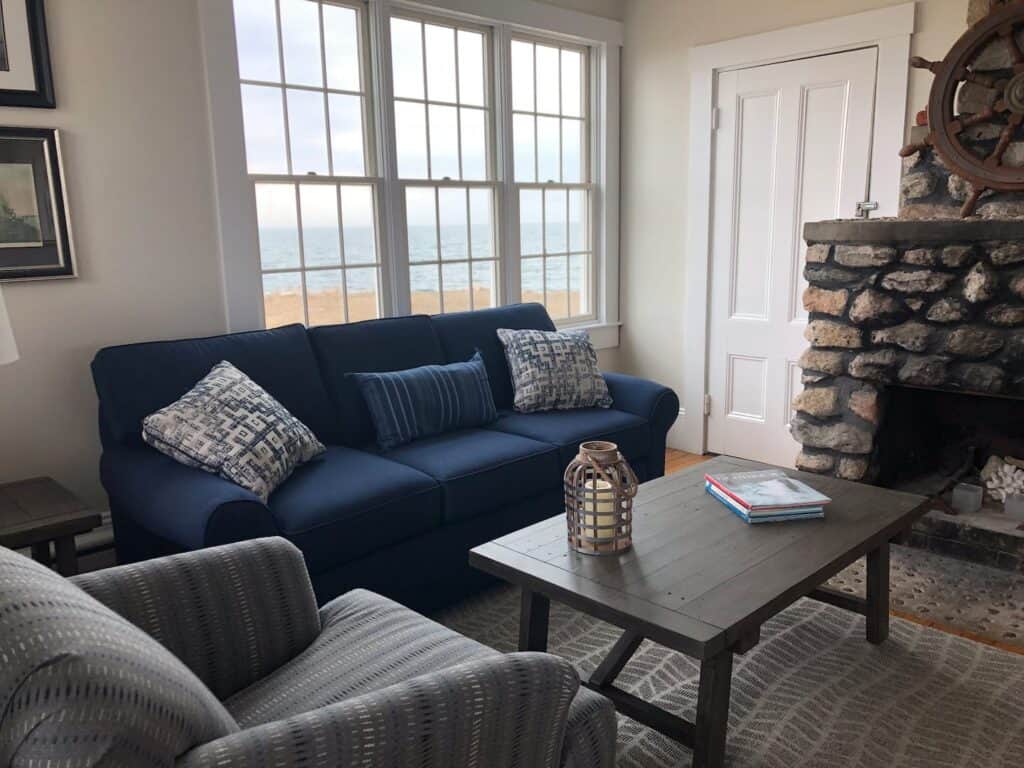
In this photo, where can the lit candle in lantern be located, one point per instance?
(599, 509)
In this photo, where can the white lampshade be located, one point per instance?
(8, 349)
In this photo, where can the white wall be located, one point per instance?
(609, 9)
(131, 108)
(655, 120)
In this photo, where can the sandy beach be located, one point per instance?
(326, 307)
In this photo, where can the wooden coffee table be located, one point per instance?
(700, 581)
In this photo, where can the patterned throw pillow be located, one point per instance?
(554, 370)
(228, 425)
(428, 400)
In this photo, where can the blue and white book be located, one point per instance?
(770, 490)
(799, 513)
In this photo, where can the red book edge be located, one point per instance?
(747, 506)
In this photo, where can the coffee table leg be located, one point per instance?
(533, 621)
(878, 594)
(67, 557)
(41, 553)
(712, 711)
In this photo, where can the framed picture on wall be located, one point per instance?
(26, 79)
(35, 229)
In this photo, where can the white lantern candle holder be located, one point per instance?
(599, 490)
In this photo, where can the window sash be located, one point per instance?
(390, 98)
(495, 259)
(344, 265)
(591, 267)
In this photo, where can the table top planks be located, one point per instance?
(698, 579)
(40, 509)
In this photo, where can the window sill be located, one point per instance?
(602, 335)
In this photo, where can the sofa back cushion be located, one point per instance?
(429, 400)
(461, 333)
(135, 380)
(373, 346)
(82, 686)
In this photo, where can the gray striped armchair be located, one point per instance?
(221, 658)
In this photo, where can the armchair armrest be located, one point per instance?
(506, 711)
(654, 402)
(233, 614)
(183, 505)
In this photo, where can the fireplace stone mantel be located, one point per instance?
(922, 303)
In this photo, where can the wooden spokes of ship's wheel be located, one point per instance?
(1001, 108)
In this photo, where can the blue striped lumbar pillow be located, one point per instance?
(427, 401)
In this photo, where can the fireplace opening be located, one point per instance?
(933, 438)
(958, 449)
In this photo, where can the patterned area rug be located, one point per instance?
(813, 694)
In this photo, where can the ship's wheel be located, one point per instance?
(1000, 111)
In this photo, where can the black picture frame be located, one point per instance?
(53, 255)
(42, 97)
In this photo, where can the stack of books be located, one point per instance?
(766, 496)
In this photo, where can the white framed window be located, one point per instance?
(442, 90)
(381, 157)
(302, 68)
(551, 147)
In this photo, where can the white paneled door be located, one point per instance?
(793, 144)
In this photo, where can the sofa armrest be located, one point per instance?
(185, 506)
(506, 711)
(652, 401)
(233, 614)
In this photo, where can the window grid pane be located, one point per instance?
(441, 69)
(549, 99)
(318, 252)
(551, 148)
(556, 261)
(302, 64)
(319, 82)
(450, 236)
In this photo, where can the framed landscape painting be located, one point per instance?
(26, 79)
(35, 229)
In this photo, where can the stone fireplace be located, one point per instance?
(898, 307)
(914, 377)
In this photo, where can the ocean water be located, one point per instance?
(279, 249)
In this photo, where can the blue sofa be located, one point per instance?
(399, 523)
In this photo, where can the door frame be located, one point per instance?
(888, 29)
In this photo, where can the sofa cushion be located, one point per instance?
(83, 686)
(229, 426)
(392, 344)
(567, 429)
(461, 333)
(134, 380)
(349, 503)
(429, 400)
(481, 470)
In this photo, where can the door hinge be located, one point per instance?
(865, 207)
(715, 116)
(707, 405)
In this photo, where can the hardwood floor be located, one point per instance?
(676, 460)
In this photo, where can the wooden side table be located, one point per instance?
(37, 511)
